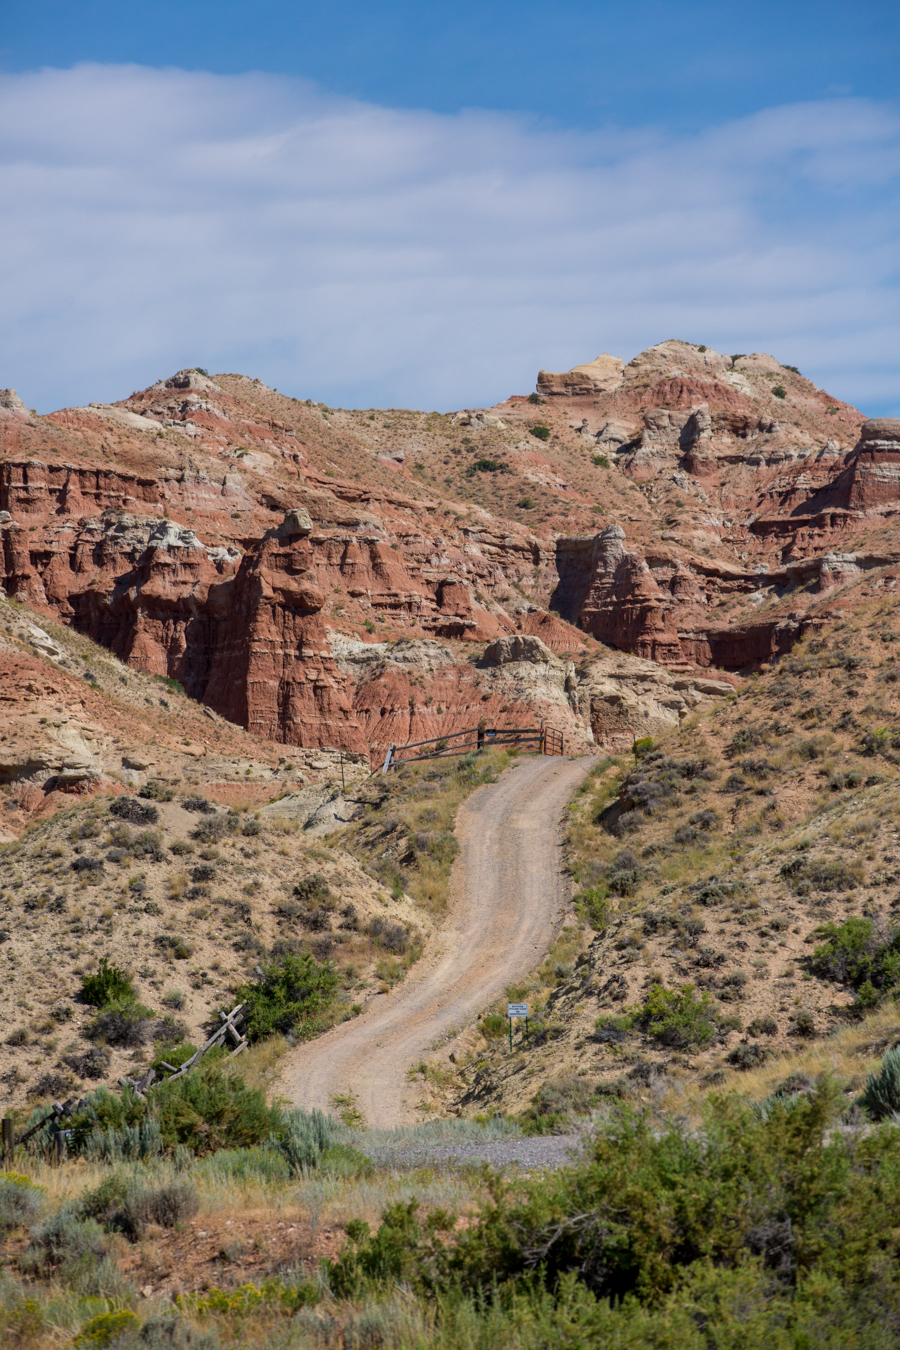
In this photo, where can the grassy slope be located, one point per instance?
(781, 778)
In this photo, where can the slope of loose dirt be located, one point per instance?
(509, 891)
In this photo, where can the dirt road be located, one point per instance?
(508, 893)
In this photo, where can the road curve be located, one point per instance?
(508, 892)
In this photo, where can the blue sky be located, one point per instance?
(403, 204)
(578, 62)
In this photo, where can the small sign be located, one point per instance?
(517, 1009)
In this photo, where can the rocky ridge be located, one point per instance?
(250, 545)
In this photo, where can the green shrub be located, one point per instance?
(293, 995)
(601, 461)
(494, 1026)
(121, 1022)
(21, 1201)
(854, 953)
(881, 1095)
(107, 984)
(211, 1108)
(304, 1139)
(386, 1257)
(541, 432)
(592, 905)
(779, 391)
(106, 1328)
(111, 1127)
(677, 1017)
(176, 1055)
(312, 890)
(63, 1242)
(483, 465)
(208, 1109)
(722, 1236)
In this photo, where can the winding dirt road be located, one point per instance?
(508, 894)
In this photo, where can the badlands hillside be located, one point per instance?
(325, 577)
(224, 603)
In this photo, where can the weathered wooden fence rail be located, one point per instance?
(544, 740)
(227, 1031)
(60, 1111)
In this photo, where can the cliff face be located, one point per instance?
(691, 509)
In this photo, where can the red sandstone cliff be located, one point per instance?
(214, 531)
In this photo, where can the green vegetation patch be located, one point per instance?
(294, 995)
(856, 953)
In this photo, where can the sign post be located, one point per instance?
(516, 1010)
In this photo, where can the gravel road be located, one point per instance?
(508, 894)
(528, 1155)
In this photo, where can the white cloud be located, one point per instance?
(362, 255)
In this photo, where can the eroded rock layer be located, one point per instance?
(325, 577)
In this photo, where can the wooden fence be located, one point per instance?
(543, 740)
(61, 1111)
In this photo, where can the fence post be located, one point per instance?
(9, 1140)
(58, 1148)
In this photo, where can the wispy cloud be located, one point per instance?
(363, 255)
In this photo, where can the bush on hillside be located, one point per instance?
(63, 1242)
(134, 811)
(677, 1017)
(313, 889)
(121, 1022)
(128, 1207)
(855, 953)
(208, 1109)
(820, 874)
(625, 874)
(212, 829)
(592, 905)
(293, 995)
(107, 984)
(881, 1095)
(21, 1200)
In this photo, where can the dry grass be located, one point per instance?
(848, 1055)
(782, 784)
(416, 818)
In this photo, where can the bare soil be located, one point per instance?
(509, 893)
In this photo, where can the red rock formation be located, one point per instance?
(155, 526)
